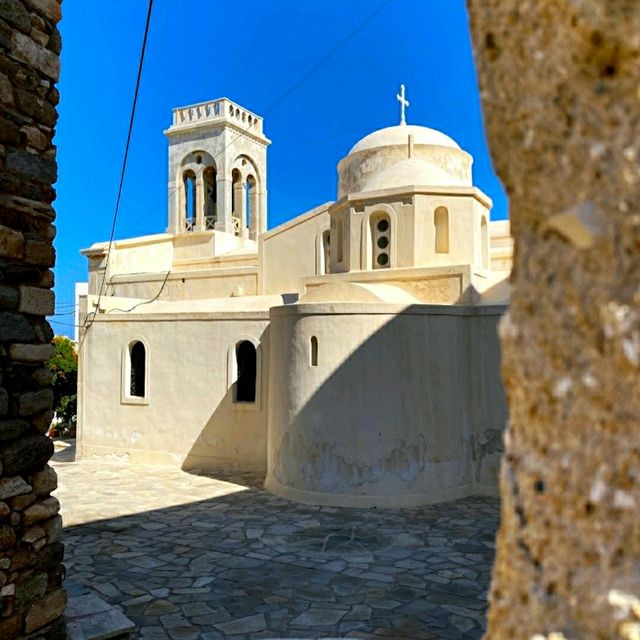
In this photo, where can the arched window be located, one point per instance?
(326, 251)
(237, 201)
(246, 363)
(484, 243)
(441, 224)
(380, 240)
(252, 206)
(314, 351)
(210, 198)
(137, 369)
(189, 181)
(339, 239)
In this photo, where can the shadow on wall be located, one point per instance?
(234, 439)
(368, 403)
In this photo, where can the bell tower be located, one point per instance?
(217, 170)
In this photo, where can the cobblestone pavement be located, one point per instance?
(195, 558)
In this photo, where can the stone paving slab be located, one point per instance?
(189, 557)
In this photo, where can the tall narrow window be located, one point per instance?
(237, 201)
(189, 179)
(484, 243)
(246, 362)
(137, 369)
(380, 241)
(210, 198)
(314, 351)
(326, 251)
(441, 224)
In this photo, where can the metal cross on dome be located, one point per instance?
(403, 103)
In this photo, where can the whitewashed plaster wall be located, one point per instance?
(189, 418)
(385, 416)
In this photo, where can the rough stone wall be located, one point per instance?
(31, 595)
(560, 88)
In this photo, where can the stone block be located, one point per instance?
(4, 510)
(45, 610)
(4, 406)
(11, 243)
(35, 137)
(45, 481)
(34, 402)
(7, 536)
(10, 628)
(23, 557)
(6, 91)
(50, 9)
(40, 253)
(30, 589)
(53, 529)
(26, 455)
(31, 165)
(49, 556)
(14, 326)
(33, 534)
(30, 352)
(27, 50)
(20, 503)
(36, 108)
(43, 376)
(11, 487)
(13, 428)
(42, 421)
(15, 14)
(36, 301)
(9, 297)
(100, 626)
(41, 511)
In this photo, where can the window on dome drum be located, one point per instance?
(137, 370)
(314, 351)
(246, 362)
(326, 251)
(189, 180)
(484, 243)
(380, 240)
(441, 224)
(210, 198)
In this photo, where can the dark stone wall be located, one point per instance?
(32, 598)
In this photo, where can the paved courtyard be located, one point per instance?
(189, 557)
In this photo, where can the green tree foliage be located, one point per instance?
(64, 366)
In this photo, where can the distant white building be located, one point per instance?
(350, 355)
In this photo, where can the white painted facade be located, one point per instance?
(350, 355)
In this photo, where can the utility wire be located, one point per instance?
(126, 156)
(285, 94)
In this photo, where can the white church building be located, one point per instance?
(349, 356)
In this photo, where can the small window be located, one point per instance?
(314, 351)
(441, 224)
(137, 371)
(380, 240)
(246, 362)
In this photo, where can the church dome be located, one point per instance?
(412, 171)
(390, 136)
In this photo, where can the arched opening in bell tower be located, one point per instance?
(189, 182)
(209, 177)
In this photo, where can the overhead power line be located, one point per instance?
(126, 154)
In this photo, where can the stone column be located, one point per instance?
(559, 83)
(223, 221)
(32, 598)
(199, 203)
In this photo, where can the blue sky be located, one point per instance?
(253, 52)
